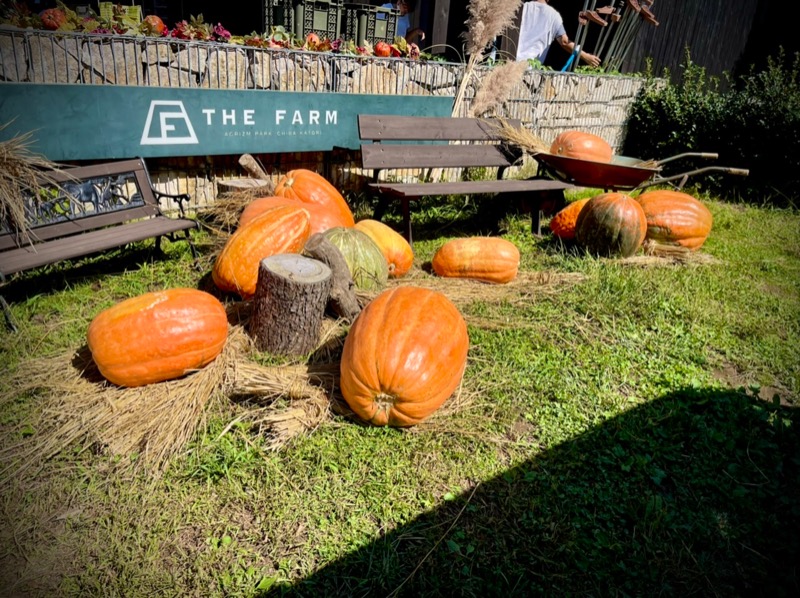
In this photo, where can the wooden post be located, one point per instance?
(343, 301)
(289, 303)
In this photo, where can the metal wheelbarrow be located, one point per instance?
(624, 173)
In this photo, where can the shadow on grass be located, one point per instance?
(696, 493)
(476, 215)
(63, 275)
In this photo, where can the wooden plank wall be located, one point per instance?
(716, 32)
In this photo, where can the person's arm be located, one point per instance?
(415, 35)
(569, 47)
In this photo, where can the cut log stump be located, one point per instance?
(289, 303)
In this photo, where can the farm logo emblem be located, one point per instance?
(173, 125)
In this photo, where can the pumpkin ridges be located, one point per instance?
(283, 229)
(676, 218)
(321, 217)
(487, 259)
(364, 258)
(582, 146)
(562, 225)
(404, 344)
(157, 336)
(309, 187)
(397, 251)
(611, 224)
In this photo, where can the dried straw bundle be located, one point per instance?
(21, 173)
(153, 422)
(660, 254)
(522, 138)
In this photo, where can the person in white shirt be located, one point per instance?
(403, 27)
(541, 25)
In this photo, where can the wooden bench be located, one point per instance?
(89, 209)
(426, 144)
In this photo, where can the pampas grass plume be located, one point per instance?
(496, 88)
(486, 20)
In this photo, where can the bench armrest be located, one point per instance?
(182, 199)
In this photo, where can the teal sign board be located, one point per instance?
(89, 122)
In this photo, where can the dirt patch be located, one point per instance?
(732, 377)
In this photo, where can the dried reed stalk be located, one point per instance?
(22, 172)
(523, 138)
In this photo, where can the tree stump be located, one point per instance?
(343, 301)
(289, 303)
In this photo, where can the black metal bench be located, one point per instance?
(89, 209)
(426, 144)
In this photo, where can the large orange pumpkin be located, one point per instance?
(397, 251)
(322, 218)
(675, 218)
(283, 229)
(562, 224)
(611, 224)
(488, 259)
(157, 336)
(404, 356)
(310, 187)
(582, 146)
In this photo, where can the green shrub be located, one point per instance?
(752, 123)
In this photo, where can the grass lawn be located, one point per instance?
(626, 429)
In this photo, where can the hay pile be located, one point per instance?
(146, 427)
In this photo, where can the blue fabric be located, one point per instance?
(403, 23)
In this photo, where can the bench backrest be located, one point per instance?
(85, 198)
(434, 135)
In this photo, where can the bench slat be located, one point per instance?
(468, 187)
(27, 257)
(79, 225)
(381, 155)
(420, 128)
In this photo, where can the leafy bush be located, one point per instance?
(753, 123)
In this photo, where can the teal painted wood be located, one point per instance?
(105, 122)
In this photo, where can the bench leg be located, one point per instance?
(192, 248)
(406, 220)
(380, 209)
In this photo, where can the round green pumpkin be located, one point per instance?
(364, 258)
(611, 225)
